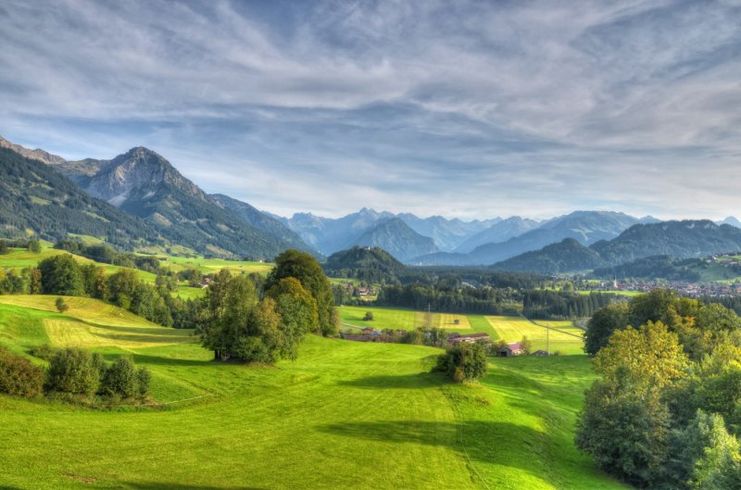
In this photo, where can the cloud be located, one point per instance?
(468, 108)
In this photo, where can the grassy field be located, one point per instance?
(561, 336)
(401, 319)
(210, 266)
(345, 414)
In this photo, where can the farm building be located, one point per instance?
(510, 350)
(469, 338)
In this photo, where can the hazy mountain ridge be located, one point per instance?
(498, 232)
(398, 239)
(448, 234)
(262, 221)
(584, 226)
(675, 240)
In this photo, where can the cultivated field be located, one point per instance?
(344, 415)
(401, 319)
(564, 337)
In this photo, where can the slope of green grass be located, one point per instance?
(344, 415)
(20, 258)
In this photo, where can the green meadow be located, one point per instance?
(344, 415)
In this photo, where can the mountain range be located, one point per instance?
(586, 227)
(138, 198)
(672, 239)
(145, 189)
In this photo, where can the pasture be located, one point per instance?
(345, 414)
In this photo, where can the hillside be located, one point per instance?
(566, 256)
(679, 239)
(34, 197)
(372, 264)
(498, 232)
(653, 250)
(262, 221)
(584, 226)
(302, 424)
(673, 269)
(394, 236)
(144, 184)
(37, 154)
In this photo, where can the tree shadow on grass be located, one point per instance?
(500, 443)
(404, 381)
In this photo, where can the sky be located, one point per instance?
(461, 109)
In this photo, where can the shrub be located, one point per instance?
(74, 371)
(45, 352)
(34, 246)
(120, 379)
(368, 316)
(61, 305)
(18, 376)
(3, 247)
(463, 362)
(144, 377)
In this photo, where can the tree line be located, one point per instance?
(666, 410)
(533, 303)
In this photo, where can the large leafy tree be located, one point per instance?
(305, 268)
(298, 311)
(61, 275)
(602, 324)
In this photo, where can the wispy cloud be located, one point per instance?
(467, 108)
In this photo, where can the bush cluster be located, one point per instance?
(78, 372)
(72, 372)
(463, 362)
(18, 376)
